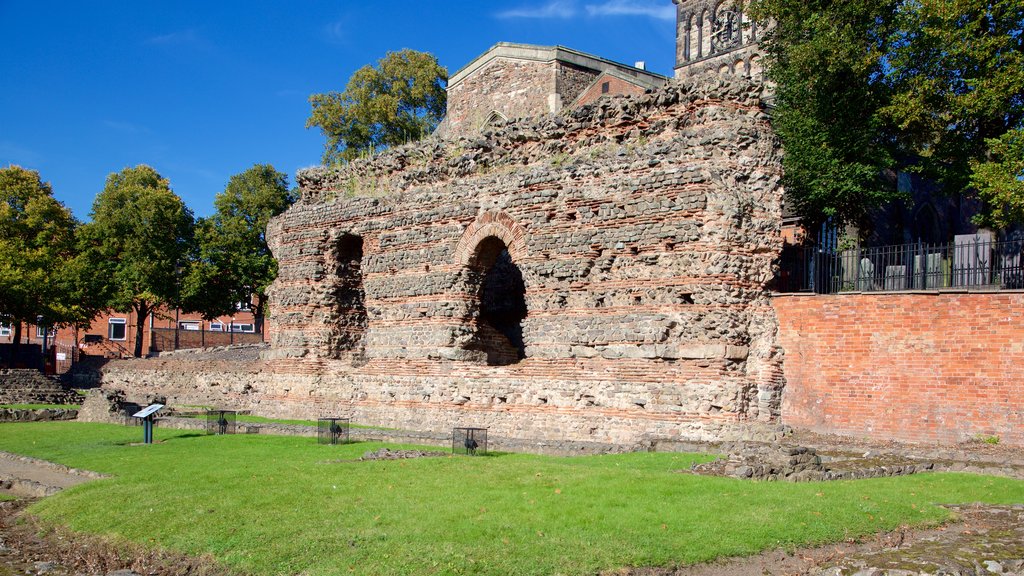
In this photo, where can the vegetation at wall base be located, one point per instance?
(286, 505)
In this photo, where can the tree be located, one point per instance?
(957, 83)
(400, 100)
(139, 235)
(825, 58)
(866, 86)
(233, 263)
(36, 244)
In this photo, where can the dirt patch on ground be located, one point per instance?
(27, 547)
(982, 540)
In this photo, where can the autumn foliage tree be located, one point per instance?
(399, 100)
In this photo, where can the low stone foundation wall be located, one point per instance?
(28, 386)
(532, 403)
(46, 415)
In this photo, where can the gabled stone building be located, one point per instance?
(521, 80)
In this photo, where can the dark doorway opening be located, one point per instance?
(349, 297)
(502, 304)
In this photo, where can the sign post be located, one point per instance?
(148, 416)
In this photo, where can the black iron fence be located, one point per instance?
(970, 263)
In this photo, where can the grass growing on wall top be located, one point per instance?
(285, 505)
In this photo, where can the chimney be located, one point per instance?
(640, 64)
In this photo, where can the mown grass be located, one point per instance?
(285, 505)
(41, 406)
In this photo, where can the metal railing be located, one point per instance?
(974, 263)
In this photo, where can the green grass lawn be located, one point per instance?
(41, 406)
(285, 505)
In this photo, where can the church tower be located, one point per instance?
(716, 35)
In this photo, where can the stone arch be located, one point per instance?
(493, 118)
(926, 224)
(491, 223)
(490, 252)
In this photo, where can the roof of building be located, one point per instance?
(533, 52)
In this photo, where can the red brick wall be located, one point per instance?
(913, 367)
(616, 87)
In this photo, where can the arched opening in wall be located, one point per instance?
(501, 300)
(493, 119)
(349, 298)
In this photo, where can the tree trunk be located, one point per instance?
(142, 312)
(258, 316)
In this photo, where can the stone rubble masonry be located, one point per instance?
(923, 367)
(645, 228)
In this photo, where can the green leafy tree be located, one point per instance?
(36, 246)
(1000, 179)
(866, 86)
(957, 81)
(233, 263)
(139, 235)
(825, 58)
(401, 99)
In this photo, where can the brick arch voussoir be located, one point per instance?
(492, 223)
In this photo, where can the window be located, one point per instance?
(216, 326)
(242, 327)
(243, 306)
(605, 87)
(5, 329)
(188, 325)
(117, 329)
(42, 331)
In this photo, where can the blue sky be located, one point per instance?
(202, 90)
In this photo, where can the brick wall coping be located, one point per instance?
(550, 53)
(897, 293)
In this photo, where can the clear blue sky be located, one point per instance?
(201, 90)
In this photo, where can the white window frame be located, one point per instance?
(42, 330)
(6, 329)
(216, 327)
(241, 327)
(111, 322)
(189, 325)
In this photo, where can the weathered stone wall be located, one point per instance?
(645, 229)
(513, 88)
(913, 367)
(29, 386)
(571, 81)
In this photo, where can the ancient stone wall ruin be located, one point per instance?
(598, 275)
